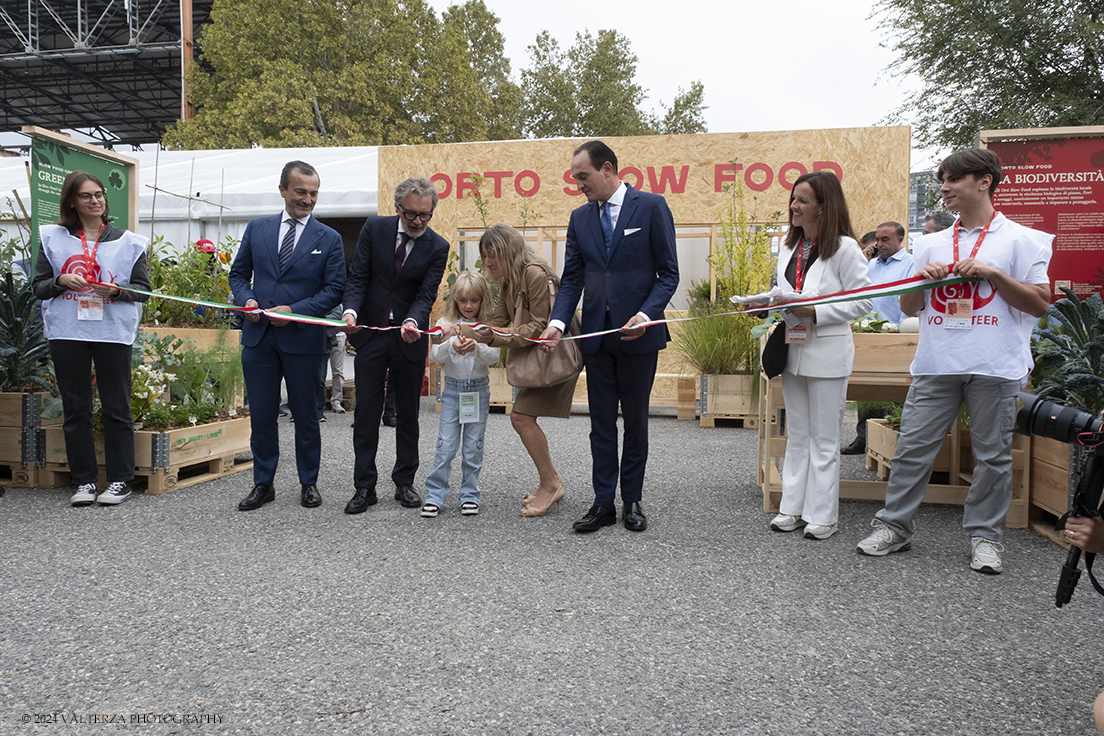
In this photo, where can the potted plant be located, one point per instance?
(191, 274)
(186, 401)
(1068, 347)
(723, 347)
(27, 386)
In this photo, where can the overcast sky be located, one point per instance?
(765, 66)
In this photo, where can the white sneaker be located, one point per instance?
(786, 523)
(985, 555)
(86, 494)
(818, 531)
(883, 541)
(337, 407)
(117, 492)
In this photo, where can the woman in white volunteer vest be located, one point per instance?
(820, 256)
(92, 325)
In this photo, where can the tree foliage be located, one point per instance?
(992, 64)
(285, 73)
(590, 90)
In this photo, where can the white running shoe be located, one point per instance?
(786, 523)
(882, 541)
(985, 555)
(86, 494)
(819, 531)
(117, 492)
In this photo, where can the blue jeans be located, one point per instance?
(449, 441)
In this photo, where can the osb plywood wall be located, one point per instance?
(530, 180)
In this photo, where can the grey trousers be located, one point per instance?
(931, 407)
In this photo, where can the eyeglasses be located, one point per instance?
(412, 216)
(89, 196)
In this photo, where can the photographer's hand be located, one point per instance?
(1088, 534)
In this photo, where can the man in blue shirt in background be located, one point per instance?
(891, 262)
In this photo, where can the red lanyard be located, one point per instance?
(90, 258)
(799, 276)
(981, 237)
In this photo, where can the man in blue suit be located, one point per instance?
(621, 259)
(288, 263)
(393, 282)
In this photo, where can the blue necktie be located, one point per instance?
(607, 226)
(287, 246)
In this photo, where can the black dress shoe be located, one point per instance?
(406, 496)
(633, 516)
(310, 497)
(391, 421)
(258, 497)
(361, 500)
(858, 447)
(596, 518)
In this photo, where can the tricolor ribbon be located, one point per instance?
(755, 303)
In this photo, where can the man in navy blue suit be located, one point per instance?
(393, 282)
(288, 263)
(621, 259)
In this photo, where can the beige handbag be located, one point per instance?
(531, 367)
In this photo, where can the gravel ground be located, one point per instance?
(288, 620)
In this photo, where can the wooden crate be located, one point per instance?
(1050, 475)
(192, 455)
(11, 410)
(728, 397)
(881, 446)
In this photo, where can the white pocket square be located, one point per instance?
(316, 252)
(631, 230)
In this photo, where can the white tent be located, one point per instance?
(243, 181)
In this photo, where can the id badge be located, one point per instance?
(798, 333)
(469, 407)
(959, 314)
(90, 307)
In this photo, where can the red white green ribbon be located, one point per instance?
(893, 288)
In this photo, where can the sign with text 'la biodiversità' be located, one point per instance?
(1056, 185)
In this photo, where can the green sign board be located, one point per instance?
(51, 162)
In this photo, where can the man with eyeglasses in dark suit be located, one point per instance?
(393, 282)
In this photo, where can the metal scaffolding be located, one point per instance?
(109, 68)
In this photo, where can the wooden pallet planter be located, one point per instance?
(21, 437)
(881, 446)
(1050, 485)
(728, 397)
(165, 461)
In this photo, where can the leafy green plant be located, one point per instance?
(15, 248)
(24, 350)
(191, 274)
(1068, 345)
(742, 264)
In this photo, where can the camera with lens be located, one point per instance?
(1045, 418)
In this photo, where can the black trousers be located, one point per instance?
(73, 360)
(383, 351)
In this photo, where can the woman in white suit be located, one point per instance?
(820, 254)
